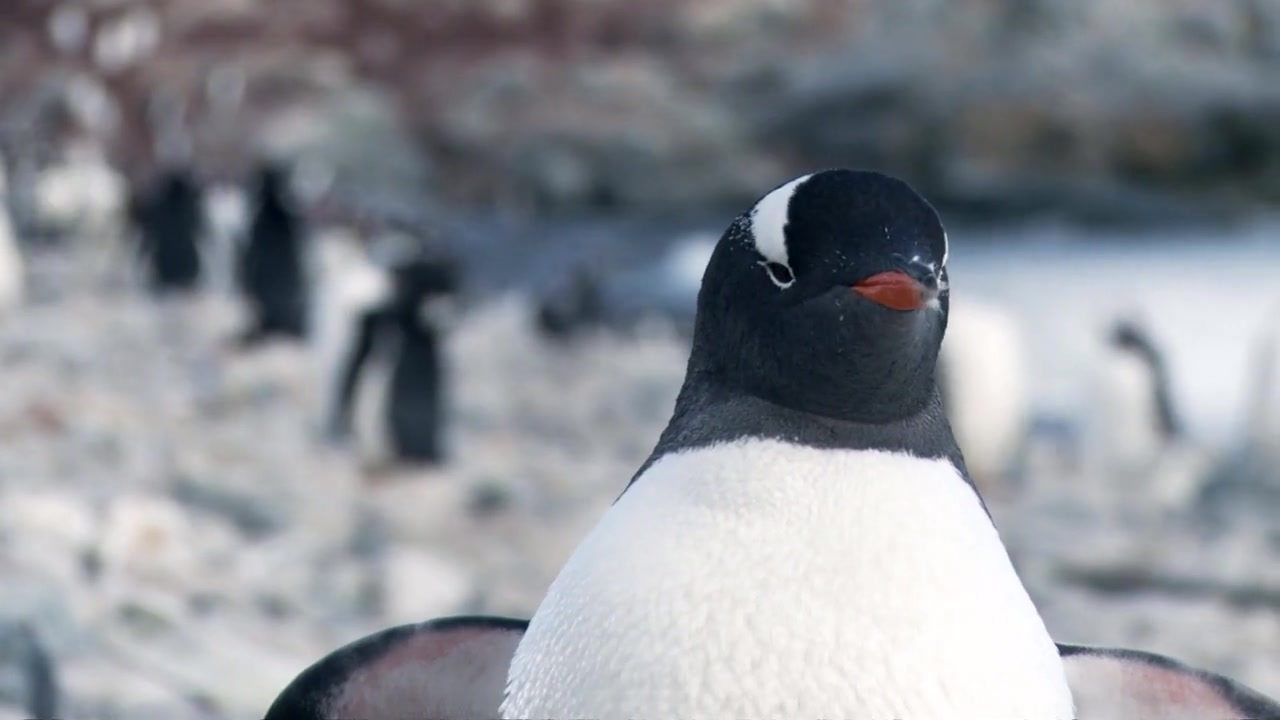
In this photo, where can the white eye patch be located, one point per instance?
(768, 231)
(779, 274)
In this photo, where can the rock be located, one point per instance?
(148, 539)
(51, 530)
(249, 513)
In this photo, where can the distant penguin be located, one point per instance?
(1246, 479)
(804, 540)
(982, 375)
(12, 270)
(348, 284)
(1262, 416)
(1131, 419)
(400, 335)
(272, 268)
(574, 305)
(170, 220)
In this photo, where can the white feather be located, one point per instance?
(769, 222)
(761, 579)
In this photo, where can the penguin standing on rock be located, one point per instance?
(804, 540)
(1132, 423)
(170, 221)
(272, 270)
(1130, 338)
(401, 335)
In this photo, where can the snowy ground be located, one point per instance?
(184, 543)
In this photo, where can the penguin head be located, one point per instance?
(273, 183)
(422, 278)
(1128, 335)
(178, 185)
(829, 296)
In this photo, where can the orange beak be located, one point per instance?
(894, 289)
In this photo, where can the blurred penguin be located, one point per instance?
(1248, 476)
(401, 335)
(982, 375)
(1132, 408)
(12, 272)
(1136, 443)
(348, 285)
(1262, 417)
(575, 305)
(272, 270)
(170, 221)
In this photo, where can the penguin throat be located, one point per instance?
(708, 413)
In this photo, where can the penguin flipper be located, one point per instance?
(1112, 683)
(452, 668)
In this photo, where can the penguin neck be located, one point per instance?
(872, 369)
(708, 412)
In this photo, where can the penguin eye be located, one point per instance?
(780, 274)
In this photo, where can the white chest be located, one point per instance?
(761, 579)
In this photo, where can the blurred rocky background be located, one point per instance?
(179, 535)
(995, 107)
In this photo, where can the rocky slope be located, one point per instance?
(1150, 110)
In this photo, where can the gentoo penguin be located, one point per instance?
(272, 268)
(401, 331)
(1131, 338)
(1132, 421)
(577, 303)
(804, 540)
(1245, 478)
(348, 284)
(12, 274)
(982, 375)
(170, 222)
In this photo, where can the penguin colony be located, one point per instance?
(181, 233)
(805, 539)
(808, 499)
